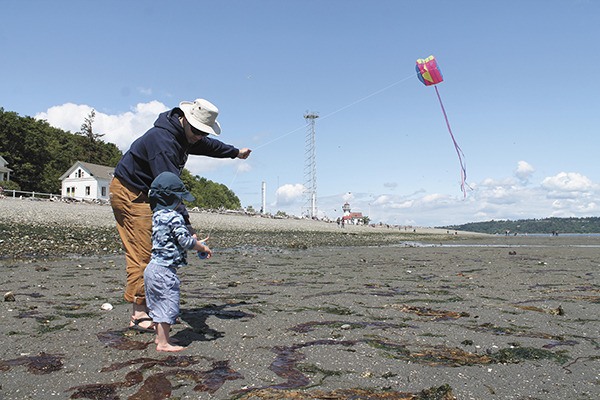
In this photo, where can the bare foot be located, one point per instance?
(168, 347)
(172, 341)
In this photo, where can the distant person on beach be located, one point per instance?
(171, 239)
(176, 134)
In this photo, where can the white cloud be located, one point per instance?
(524, 171)
(433, 198)
(68, 117)
(200, 165)
(243, 166)
(121, 129)
(347, 197)
(289, 193)
(501, 198)
(568, 182)
(489, 183)
(382, 200)
(403, 205)
(588, 208)
(500, 195)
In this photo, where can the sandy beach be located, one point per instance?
(296, 309)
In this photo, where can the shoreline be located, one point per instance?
(44, 228)
(78, 213)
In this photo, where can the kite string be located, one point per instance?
(459, 152)
(370, 95)
(340, 109)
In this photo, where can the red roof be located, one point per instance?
(353, 215)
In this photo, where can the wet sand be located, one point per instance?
(434, 316)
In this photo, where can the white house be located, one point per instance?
(86, 181)
(350, 217)
(4, 171)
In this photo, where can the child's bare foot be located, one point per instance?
(163, 341)
(171, 340)
(168, 347)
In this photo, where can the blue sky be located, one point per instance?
(520, 90)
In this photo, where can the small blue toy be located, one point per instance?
(202, 254)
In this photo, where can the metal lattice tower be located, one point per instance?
(310, 167)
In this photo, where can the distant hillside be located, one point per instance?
(545, 225)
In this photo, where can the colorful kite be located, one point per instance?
(430, 74)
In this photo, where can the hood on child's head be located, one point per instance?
(167, 191)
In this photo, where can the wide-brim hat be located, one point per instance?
(202, 115)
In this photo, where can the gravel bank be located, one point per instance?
(43, 229)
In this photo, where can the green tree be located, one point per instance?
(87, 129)
(23, 144)
(209, 194)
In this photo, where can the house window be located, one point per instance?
(68, 191)
(103, 191)
(79, 173)
(87, 190)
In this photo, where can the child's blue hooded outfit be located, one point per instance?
(170, 241)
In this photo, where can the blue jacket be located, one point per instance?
(170, 239)
(164, 147)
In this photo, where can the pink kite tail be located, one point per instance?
(461, 155)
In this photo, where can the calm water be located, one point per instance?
(530, 240)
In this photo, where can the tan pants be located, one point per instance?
(134, 223)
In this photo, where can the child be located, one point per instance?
(170, 241)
